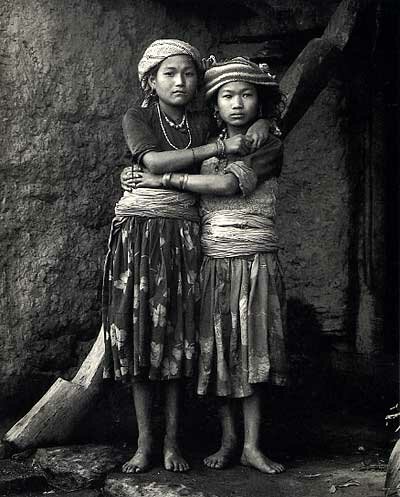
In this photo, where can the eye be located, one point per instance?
(168, 73)
(189, 73)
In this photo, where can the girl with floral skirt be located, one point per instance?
(151, 270)
(242, 323)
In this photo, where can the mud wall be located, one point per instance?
(68, 74)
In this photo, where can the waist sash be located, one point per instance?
(228, 233)
(155, 202)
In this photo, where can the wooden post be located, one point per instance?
(53, 418)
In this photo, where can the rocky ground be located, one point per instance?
(347, 476)
(349, 460)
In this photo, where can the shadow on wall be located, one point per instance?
(308, 353)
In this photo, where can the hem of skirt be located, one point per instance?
(145, 378)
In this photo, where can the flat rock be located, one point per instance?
(17, 476)
(77, 467)
(118, 485)
(392, 483)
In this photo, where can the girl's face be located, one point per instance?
(176, 81)
(237, 104)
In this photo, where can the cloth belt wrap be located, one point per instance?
(228, 233)
(155, 202)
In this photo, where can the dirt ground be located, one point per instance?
(324, 455)
(344, 476)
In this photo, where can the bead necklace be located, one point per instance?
(165, 132)
(178, 126)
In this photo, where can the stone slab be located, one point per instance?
(119, 485)
(16, 476)
(76, 467)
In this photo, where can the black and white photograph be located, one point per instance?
(200, 261)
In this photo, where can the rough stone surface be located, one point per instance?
(17, 476)
(68, 75)
(392, 482)
(303, 478)
(313, 214)
(129, 486)
(76, 467)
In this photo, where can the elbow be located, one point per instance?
(229, 187)
(152, 164)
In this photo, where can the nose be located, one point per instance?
(237, 102)
(179, 79)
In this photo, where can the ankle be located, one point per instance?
(145, 439)
(229, 440)
(250, 447)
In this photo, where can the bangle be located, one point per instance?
(166, 179)
(218, 147)
(181, 180)
(185, 180)
(221, 148)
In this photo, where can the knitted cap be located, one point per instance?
(158, 51)
(237, 69)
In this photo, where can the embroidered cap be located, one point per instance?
(158, 51)
(236, 69)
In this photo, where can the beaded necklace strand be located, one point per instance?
(165, 132)
(179, 126)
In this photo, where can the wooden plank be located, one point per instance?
(53, 418)
(316, 64)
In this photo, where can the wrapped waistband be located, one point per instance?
(235, 234)
(155, 202)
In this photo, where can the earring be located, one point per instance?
(260, 111)
(217, 117)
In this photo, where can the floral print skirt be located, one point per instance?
(242, 325)
(150, 291)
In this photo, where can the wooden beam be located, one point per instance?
(54, 417)
(316, 64)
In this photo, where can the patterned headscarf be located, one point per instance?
(236, 69)
(158, 51)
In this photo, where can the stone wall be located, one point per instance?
(68, 73)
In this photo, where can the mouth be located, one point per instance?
(179, 92)
(237, 116)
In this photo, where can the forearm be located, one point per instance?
(223, 185)
(178, 160)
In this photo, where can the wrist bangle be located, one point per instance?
(218, 147)
(185, 180)
(223, 153)
(221, 148)
(166, 179)
(181, 180)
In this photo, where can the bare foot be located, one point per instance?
(173, 460)
(256, 459)
(222, 458)
(141, 461)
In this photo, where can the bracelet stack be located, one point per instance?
(166, 179)
(183, 179)
(221, 148)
